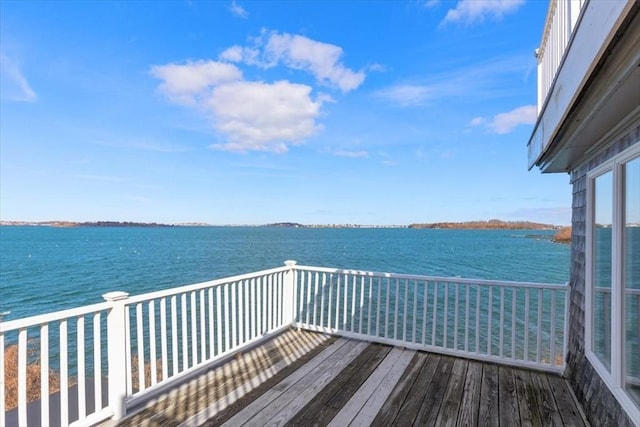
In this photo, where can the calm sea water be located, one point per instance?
(44, 269)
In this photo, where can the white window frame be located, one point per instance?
(614, 380)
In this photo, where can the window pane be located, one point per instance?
(602, 233)
(632, 278)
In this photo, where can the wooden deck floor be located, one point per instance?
(304, 379)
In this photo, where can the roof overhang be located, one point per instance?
(596, 87)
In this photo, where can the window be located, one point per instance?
(613, 276)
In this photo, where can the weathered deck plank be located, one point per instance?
(411, 407)
(527, 402)
(391, 407)
(569, 410)
(448, 414)
(428, 413)
(489, 411)
(509, 412)
(549, 415)
(470, 401)
(307, 379)
(330, 400)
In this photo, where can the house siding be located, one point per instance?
(599, 404)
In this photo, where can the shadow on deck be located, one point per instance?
(305, 378)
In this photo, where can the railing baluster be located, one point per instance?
(303, 304)
(445, 315)
(415, 311)
(163, 338)
(353, 301)
(404, 315)
(386, 310)
(152, 343)
(360, 317)
(254, 308)
(174, 334)
(270, 303)
(490, 320)
(203, 328)
(552, 332)
(97, 365)
(337, 301)
(194, 329)
(259, 305)
(526, 324)
(435, 314)
(245, 313)
(330, 302)
(455, 318)
(185, 332)
(344, 308)
(539, 328)
(514, 302)
(315, 299)
(140, 344)
(324, 284)
(212, 340)
(478, 289)
(64, 378)
(396, 309)
(82, 404)
(234, 315)
(369, 316)
(378, 302)
(466, 318)
(424, 312)
(22, 375)
(218, 320)
(44, 375)
(501, 321)
(127, 349)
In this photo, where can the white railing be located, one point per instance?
(562, 17)
(515, 323)
(111, 356)
(127, 348)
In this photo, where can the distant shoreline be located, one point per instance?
(493, 224)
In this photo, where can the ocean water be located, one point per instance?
(44, 269)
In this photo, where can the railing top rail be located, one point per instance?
(504, 283)
(202, 285)
(41, 319)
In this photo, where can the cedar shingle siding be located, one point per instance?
(601, 408)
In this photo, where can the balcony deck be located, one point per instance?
(307, 378)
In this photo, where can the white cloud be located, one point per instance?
(183, 84)
(13, 84)
(406, 95)
(477, 121)
(249, 116)
(322, 60)
(505, 122)
(257, 116)
(471, 11)
(238, 10)
(432, 3)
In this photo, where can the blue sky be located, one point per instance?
(256, 112)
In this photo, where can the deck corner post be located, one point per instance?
(116, 352)
(289, 293)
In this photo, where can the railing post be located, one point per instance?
(116, 354)
(289, 294)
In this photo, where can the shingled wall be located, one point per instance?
(600, 405)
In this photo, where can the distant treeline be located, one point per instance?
(493, 224)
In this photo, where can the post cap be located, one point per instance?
(115, 296)
(290, 263)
